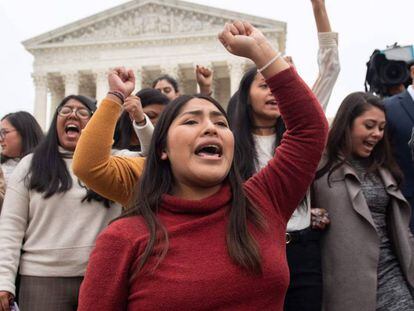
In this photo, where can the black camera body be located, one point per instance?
(389, 68)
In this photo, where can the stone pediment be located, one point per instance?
(140, 20)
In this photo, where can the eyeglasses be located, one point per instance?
(82, 113)
(4, 132)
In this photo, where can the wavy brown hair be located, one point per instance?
(339, 146)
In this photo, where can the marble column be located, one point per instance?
(139, 74)
(174, 71)
(101, 80)
(57, 93)
(40, 106)
(71, 83)
(236, 71)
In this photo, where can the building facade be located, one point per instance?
(152, 37)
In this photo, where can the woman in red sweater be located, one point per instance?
(197, 237)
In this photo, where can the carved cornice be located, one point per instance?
(146, 18)
(149, 20)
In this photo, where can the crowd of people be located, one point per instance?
(159, 200)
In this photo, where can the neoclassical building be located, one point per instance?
(151, 36)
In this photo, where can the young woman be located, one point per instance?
(169, 86)
(19, 135)
(368, 251)
(50, 220)
(194, 224)
(258, 128)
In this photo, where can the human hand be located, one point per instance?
(133, 106)
(319, 218)
(242, 39)
(289, 60)
(121, 80)
(6, 300)
(204, 77)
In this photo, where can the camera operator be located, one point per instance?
(400, 122)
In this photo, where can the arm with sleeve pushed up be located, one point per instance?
(328, 57)
(113, 177)
(106, 282)
(285, 180)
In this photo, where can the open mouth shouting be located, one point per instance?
(209, 151)
(271, 102)
(72, 130)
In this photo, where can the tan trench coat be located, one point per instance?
(350, 246)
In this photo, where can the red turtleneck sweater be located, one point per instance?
(197, 272)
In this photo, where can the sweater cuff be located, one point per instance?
(327, 39)
(282, 78)
(139, 127)
(112, 105)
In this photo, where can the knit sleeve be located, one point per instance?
(329, 67)
(283, 183)
(112, 177)
(105, 285)
(14, 220)
(144, 134)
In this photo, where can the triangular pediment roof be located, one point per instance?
(143, 19)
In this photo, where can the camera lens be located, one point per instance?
(394, 72)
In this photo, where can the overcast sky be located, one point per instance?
(363, 26)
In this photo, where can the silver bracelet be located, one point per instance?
(270, 62)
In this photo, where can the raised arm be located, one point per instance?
(204, 77)
(113, 177)
(288, 175)
(141, 124)
(328, 58)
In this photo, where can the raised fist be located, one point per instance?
(242, 39)
(133, 106)
(121, 80)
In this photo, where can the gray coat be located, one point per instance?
(350, 246)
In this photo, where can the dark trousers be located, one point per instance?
(304, 260)
(49, 293)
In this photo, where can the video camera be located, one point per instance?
(389, 68)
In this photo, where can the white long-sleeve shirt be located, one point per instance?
(329, 67)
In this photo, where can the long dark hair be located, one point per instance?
(157, 179)
(48, 172)
(29, 130)
(339, 145)
(241, 122)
